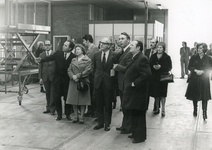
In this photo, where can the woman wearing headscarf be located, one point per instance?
(80, 68)
(199, 84)
(160, 63)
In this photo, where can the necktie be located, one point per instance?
(104, 59)
(65, 55)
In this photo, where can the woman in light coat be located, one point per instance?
(80, 67)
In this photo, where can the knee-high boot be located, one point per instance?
(195, 108)
(204, 109)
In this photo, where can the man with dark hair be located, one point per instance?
(184, 59)
(149, 52)
(91, 50)
(61, 79)
(125, 58)
(136, 86)
(46, 76)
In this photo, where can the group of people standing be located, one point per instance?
(137, 74)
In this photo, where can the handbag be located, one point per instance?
(82, 85)
(168, 77)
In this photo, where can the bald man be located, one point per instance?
(104, 83)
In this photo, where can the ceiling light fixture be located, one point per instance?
(160, 7)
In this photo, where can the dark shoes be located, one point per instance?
(125, 131)
(156, 112)
(163, 113)
(130, 136)
(88, 114)
(68, 118)
(181, 77)
(99, 126)
(107, 128)
(137, 141)
(119, 128)
(59, 118)
(52, 113)
(46, 112)
(75, 120)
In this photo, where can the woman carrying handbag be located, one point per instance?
(160, 64)
(79, 70)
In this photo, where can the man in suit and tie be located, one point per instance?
(149, 52)
(104, 83)
(61, 79)
(135, 97)
(46, 75)
(91, 50)
(125, 58)
(152, 50)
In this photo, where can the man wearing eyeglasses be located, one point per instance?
(124, 60)
(46, 75)
(104, 83)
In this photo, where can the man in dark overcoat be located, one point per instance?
(136, 85)
(124, 59)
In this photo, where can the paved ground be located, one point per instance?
(25, 127)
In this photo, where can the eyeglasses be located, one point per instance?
(47, 44)
(104, 43)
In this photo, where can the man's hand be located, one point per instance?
(41, 81)
(114, 66)
(38, 60)
(74, 77)
(157, 67)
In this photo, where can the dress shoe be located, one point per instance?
(130, 136)
(94, 115)
(52, 113)
(137, 141)
(99, 126)
(75, 120)
(46, 112)
(107, 128)
(125, 131)
(59, 118)
(163, 113)
(156, 112)
(181, 77)
(88, 114)
(119, 128)
(81, 121)
(68, 118)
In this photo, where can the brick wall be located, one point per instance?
(70, 20)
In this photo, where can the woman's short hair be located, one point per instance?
(163, 45)
(204, 46)
(82, 48)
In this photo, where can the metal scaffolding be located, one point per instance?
(17, 61)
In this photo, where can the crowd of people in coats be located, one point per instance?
(109, 71)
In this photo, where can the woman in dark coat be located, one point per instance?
(160, 63)
(80, 67)
(199, 84)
